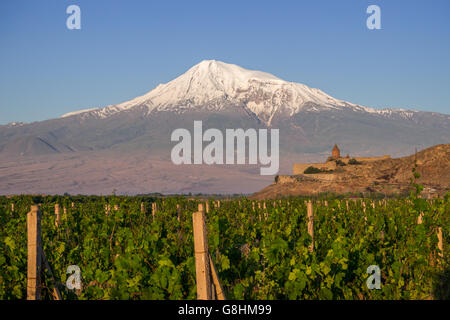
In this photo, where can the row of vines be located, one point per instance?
(260, 249)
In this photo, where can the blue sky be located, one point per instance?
(126, 48)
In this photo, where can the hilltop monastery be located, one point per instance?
(332, 162)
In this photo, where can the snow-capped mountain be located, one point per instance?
(228, 96)
(127, 146)
(214, 85)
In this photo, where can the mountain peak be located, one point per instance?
(227, 71)
(213, 85)
(205, 82)
(209, 83)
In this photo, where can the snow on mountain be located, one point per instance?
(210, 83)
(211, 80)
(77, 112)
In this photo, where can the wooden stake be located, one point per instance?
(207, 206)
(12, 207)
(420, 218)
(213, 291)
(55, 293)
(178, 212)
(310, 213)
(142, 208)
(202, 269)
(154, 209)
(34, 256)
(57, 215)
(215, 277)
(440, 242)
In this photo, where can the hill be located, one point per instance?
(388, 176)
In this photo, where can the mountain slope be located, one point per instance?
(212, 85)
(389, 176)
(219, 93)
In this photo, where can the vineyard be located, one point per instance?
(143, 247)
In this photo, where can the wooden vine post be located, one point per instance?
(57, 215)
(12, 207)
(310, 213)
(178, 212)
(201, 255)
(142, 208)
(36, 257)
(204, 266)
(420, 218)
(439, 236)
(153, 209)
(55, 292)
(265, 211)
(34, 254)
(440, 243)
(215, 277)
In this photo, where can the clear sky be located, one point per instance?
(126, 48)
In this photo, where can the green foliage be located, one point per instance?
(312, 170)
(259, 253)
(353, 161)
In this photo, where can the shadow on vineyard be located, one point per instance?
(441, 285)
